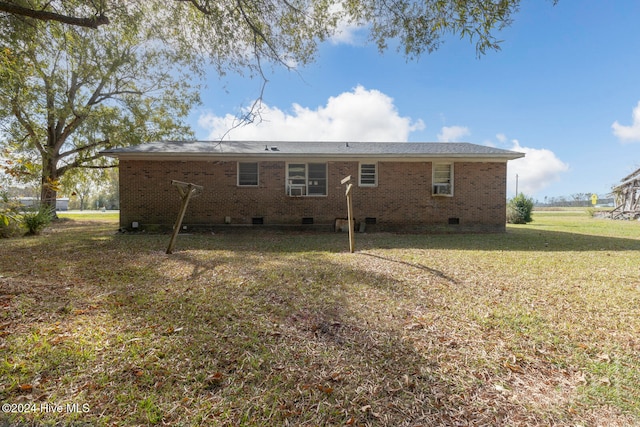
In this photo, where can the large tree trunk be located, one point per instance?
(49, 183)
(48, 199)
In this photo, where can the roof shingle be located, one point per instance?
(313, 149)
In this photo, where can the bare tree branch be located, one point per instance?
(43, 15)
(85, 147)
(79, 164)
(258, 34)
(23, 118)
(253, 113)
(97, 166)
(198, 6)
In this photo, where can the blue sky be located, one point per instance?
(564, 89)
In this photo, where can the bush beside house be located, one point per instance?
(519, 209)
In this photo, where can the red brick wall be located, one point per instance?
(401, 200)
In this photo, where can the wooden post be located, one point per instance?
(186, 190)
(350, 218)
(349, 213)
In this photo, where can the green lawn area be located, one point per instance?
(108, 216)
(536, 326)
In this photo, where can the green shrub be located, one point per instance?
(37, 220)
(10, 228)
(519, 209)
(9, 218)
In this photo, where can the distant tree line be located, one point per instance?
(574, 200)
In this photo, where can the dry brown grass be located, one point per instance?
(538, 326)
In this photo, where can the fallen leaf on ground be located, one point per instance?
(25, 388)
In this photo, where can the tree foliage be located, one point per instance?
(284, 30)
(67, 93)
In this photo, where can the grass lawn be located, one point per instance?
(96, 216)
(536, 326)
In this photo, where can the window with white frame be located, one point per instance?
(307, 179)
(368, 174)
(247, 174)
(442, 179)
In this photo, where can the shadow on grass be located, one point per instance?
(516, 239)
(433, 271)
(520, 238)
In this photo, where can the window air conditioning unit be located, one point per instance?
(441, 188)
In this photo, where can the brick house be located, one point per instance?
(397, 186)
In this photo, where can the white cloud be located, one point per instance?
(347, 31)
(629, 133)
(359, 115)
(453, 133)
(538, 169)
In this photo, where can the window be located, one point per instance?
(443, 179)
(368, 175)
(296, 179)
(307, 179)
(248, 174)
